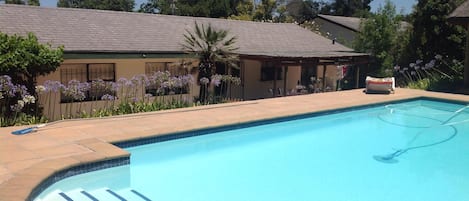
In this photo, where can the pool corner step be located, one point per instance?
(91, 197)
(102, 194)
(140, 195)
(108, 194)
(132, 194)
(116, 195)
(65, 196)
(74, 195)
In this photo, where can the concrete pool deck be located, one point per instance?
(26, 160)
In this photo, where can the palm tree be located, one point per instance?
(211, 46)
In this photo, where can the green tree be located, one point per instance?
(198, 8)
(432, 34)
(244, 11)
(303, 10)
(24, 2)
(151, 6)
(211, 46)
(117, 5)
(350, 8)
(282, 15)
(166, 7)
(24, 58)
(264, 10)
(378, 36)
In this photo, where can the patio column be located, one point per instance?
(324, 68)
(242, 76)
(357, 76)
(274, 89)
(285, 72)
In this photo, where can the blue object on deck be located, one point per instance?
(24, 131)
(27, 130)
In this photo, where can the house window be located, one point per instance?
(268, 72)
(73, 72)
(152, 67)
(175, 69)
(88, 73)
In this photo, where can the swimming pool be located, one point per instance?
(411, 150)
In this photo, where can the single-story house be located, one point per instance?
(461, 16)
(110, 45)
(342, 29)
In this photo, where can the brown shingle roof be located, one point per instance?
(352, 23)
(82, 30)
(461, 14)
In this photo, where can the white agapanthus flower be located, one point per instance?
(27, 99)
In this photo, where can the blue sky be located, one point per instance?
(404, 5)
(401, 5)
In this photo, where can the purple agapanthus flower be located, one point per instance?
(165, 85)
(108, 97)
(148, 95)
(236, 80)
(98, 84)
(53, 86)
(17, 107)
(140, 79)
(216, 79)
(76, 90)
(187, 79)
(430, 64)
(204, 80)
(176, 82)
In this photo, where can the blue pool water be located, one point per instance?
(338, 157)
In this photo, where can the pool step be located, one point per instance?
(102, 194)
(75, 194)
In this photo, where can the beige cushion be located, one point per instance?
(385, 85)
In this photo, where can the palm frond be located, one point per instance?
(211, 45)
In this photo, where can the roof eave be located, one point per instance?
(274, 56)
(340, 24)
(93, 54)
(459, 20)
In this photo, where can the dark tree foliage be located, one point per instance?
(244, 11)
(198, 8)
(432, 34)
(24, 2)
(304, 10)
(117, 5)
(265, 10)
(151, 6)
(350, 8)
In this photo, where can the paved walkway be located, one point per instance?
(27, 160)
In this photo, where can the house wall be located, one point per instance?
(251, 87)
(341, 34)
(124, 68)
(254, 88)
(331, 77)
